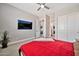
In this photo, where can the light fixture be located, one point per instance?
(42, 6)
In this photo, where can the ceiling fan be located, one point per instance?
(42, 5)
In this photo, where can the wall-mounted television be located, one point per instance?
(24, 24)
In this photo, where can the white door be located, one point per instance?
(68, 27)
(62, 28)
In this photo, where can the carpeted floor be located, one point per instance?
(12, 50)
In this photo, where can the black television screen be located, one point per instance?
(24, 24)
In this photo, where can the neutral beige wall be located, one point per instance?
(8, 21)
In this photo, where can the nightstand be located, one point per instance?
(76, 48)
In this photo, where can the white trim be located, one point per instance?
(19, 41)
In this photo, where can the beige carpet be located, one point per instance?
(11, 50)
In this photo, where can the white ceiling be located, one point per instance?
(32, 8)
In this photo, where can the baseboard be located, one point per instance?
(19, 41)
(23, 40)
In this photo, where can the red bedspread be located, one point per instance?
(48, 48)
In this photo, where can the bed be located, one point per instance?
(47, 48)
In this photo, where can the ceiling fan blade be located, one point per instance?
(43, 3)
(46, 7)
(38, 8)
(39, 3)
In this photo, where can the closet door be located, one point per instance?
(62, 28)
(77, 26)
(68, 27)
(71, 27)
